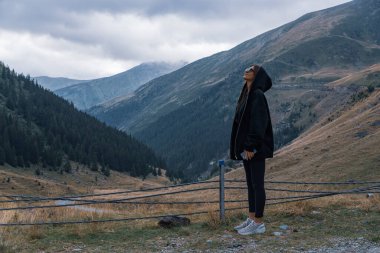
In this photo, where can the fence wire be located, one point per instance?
(287, 200)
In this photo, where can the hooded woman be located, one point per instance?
(252, 142)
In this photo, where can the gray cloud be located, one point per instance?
(93, 38)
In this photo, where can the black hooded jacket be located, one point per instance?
(252, 126)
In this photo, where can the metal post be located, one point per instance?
(221, 190)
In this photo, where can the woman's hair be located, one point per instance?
(256, 68)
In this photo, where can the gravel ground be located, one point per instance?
(232, 245)
(359, 245)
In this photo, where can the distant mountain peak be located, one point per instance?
(87, 94)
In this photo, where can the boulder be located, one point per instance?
(173, 221)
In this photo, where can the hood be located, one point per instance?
(262, 81)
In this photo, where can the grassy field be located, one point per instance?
(313, 223)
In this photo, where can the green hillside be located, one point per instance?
(38, 127)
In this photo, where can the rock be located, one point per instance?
(236, 245)
(227, 236)
(277, 233)
(284, 227)
(172, 221)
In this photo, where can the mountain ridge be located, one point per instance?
(302, 57)
(239, 58)
(55, 83)
(92, 92)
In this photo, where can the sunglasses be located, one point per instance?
(249, 69)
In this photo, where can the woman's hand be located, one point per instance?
(249, 154)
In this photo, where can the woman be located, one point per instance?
(252, 142)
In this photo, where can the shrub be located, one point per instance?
(370, 88)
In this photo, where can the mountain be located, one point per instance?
(186, 116)
(39, 128)
(55, 83)
(87, 94)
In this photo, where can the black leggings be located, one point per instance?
(254, 172)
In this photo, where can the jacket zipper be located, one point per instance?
(242, 115)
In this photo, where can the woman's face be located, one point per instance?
(249, 76)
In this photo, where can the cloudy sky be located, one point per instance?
(86, 39)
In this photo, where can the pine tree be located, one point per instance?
(2, 156)
(67, 167)
(154, 173)
(105, 171)
(94, 167)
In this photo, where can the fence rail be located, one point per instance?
(77, 200)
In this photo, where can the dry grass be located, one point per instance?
(360, 202)
(355, 76)
(14, 235)
(212, 218)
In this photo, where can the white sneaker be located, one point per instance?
(244, 224)
(252, 228)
